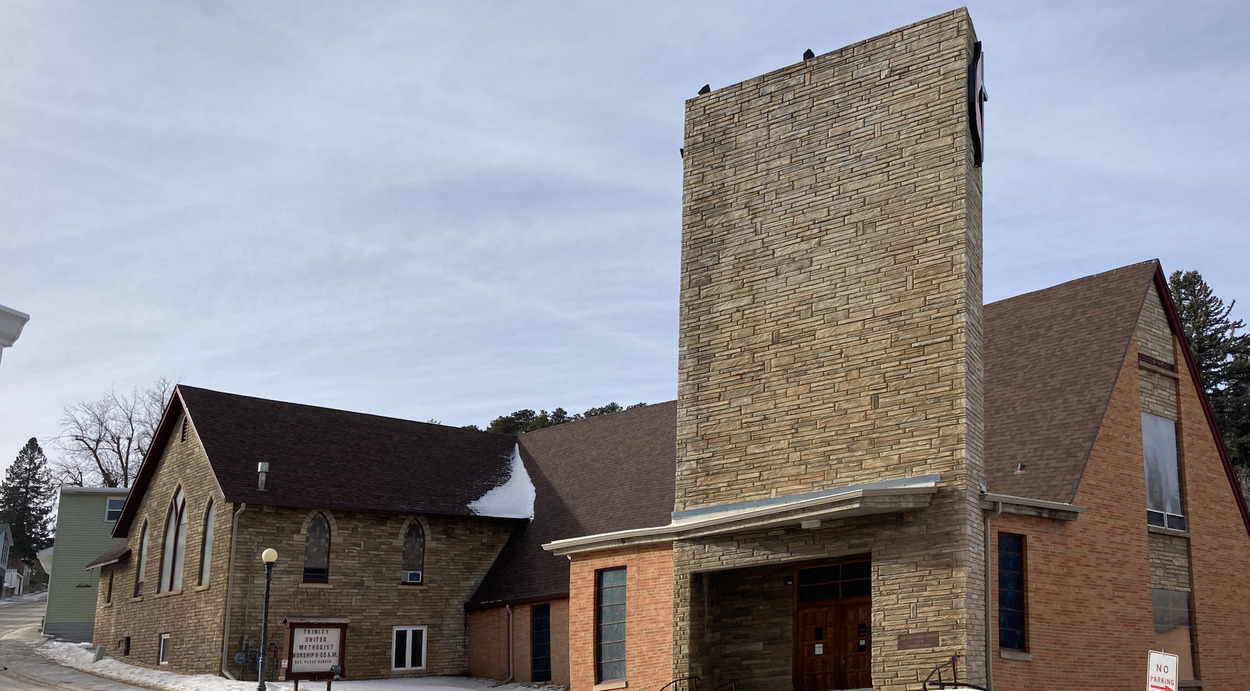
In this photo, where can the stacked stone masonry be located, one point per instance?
(364, 582)
(830, 323)
(191, 614)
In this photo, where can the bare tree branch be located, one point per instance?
(103, 442)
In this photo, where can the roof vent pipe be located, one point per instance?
(262, 469)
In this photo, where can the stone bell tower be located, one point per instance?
(830, 335)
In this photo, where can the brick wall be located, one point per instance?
(488, 642)
(648, 618)
(830, 328)
(1219, 551)
(1089, 581)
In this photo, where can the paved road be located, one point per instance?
(21, 668)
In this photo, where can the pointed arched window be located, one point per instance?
(174, 551)
(414, 554)
(206, 547)
(317, 551)
(143, 559)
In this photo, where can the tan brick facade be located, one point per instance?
(648, 623)
(1089, 582)
(831, 327)
(364, 580)
(488, 642)
(1219, 550)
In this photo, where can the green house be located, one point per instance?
(84, 528)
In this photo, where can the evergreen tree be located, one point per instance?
(26, 501)
(1222, 355)
(527, 420)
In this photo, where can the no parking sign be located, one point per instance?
(1162, 672)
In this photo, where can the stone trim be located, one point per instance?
(1016, 655)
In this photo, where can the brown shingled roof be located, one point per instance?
(610, 472)
(332, 459)
(1051, 361)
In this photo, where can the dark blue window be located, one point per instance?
(610, 625)
(540, 642)
(1011, 595)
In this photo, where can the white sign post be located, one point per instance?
(1162, 672)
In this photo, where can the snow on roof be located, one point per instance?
(514, 498)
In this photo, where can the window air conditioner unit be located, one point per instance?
(412, 577)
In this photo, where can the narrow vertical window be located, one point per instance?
(108, 592)
(610, 624)
(174, 551)
(1011, 593)
(163, 655)
(408, 647)
(1173, 631)
(317, 551)
(206, 547)
(540, 642)
(143, 559)
(1163, 485)
(414, 554)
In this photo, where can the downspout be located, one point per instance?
(225, 627)
(511, 669)
(989, 641)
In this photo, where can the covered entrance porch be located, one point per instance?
(805, 625)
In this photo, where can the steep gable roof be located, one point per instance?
(331, 459)
(1051, 361)
(610, 472)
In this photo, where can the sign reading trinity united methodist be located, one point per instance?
(314, 645)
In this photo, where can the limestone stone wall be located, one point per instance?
(1169, 562)
(1154, 335)
(364, 585)
(364, 578)
(830, 326)
(1158, 393)
(747, 622)
(191, 615)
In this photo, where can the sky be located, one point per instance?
(454, 210)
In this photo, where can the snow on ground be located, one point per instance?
(28, 597)
(78, 656)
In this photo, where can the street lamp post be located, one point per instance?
(269, 556)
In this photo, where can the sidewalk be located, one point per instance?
(23, 668)
(78, 656)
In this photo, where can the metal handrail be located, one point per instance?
(693, 686)
(953, 683)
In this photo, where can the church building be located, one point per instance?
(868, 477)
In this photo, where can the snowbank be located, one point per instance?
(78, 656)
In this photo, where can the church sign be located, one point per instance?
(314, 647)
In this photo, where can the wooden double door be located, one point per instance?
(833, 645)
